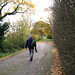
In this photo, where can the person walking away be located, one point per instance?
(31, 44)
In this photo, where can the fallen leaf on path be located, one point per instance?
(42, 68)
(27, 72)
(47, 73)
(56, 67)
(47, 43)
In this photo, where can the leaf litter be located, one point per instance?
(56, 67)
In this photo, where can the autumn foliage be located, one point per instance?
(42, 28)
(11, 7)
(56, 67)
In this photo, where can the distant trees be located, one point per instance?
(64, 29)
(42, 28)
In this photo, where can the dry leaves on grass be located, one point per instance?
(56, 67)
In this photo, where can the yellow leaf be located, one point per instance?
(17, 0)
(27, 2)
(21, 2)
(5, 0)
(34, 13)
(4, 12)
(61, 21)
(58, 22)
(0, 0)
(64, 39)
(30, 13)
(20, 8)
(41, 17)
(14, 7)
(32, 5)
(22, 15)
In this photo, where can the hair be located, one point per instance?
(30, 35)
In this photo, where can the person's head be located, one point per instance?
(30, 35)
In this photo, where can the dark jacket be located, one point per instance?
(28, 43)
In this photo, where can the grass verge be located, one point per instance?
(6, 55)
(45, 40)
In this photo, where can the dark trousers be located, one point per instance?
(31, 52)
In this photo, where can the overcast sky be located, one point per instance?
(40, 5)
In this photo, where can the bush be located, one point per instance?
(17, 39)
(3, 29)
(35, 37)
(49, 37)
(40, 37)
(3, 54)
(64, 38)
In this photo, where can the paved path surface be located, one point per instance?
(20, 65)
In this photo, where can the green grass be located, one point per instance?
(6, 54)
(41, 40)
(44, 37)
(45, 40)
(51, 40)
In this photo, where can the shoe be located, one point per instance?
(37, 52)
(30, 59)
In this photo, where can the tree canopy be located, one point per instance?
(11, 7)
(42, 28)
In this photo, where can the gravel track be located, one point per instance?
(19, 64)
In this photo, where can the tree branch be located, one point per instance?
(3, 6)
(14, 12)
(23, 11)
